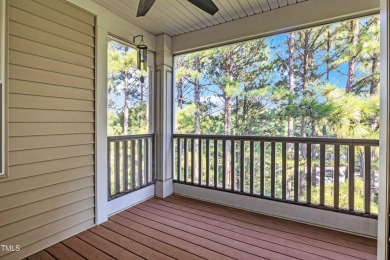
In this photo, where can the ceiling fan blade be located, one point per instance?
(144, 7)
(206, 5)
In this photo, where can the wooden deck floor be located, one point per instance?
(182, 228)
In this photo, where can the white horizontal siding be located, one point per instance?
(49, 193)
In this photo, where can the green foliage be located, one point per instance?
(126, 93)
(317, 82)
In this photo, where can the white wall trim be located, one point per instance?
(101, 167)
(322, 218)
(384, 164)
(3, 44)
(290, 18)
(106, 22)
(129, 200)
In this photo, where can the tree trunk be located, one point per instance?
(291, 80)
(244, 125)
(361, 164)
(328, 47)
(372, 182)
(352, 62)
(142, 92)
(126, 106)
(197, 88)
(374, 85)
(179, 87)
(228, 115)
(306, 56)
(313, 153)
(305, 86)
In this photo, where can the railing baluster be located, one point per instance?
(109, 178)
(179, 159)
(132, 164)
(185, 160)
(336, 176)
(224, 168)
(125, 166)
(126, 155)
(239, 182)
(296, 171)
(367, 179)
(262, 177)
(322, 174)
(308, 173)
(200, 161)
(207, 162)
(351, 176)
(117, 168)
(147, 175)
(232, 166)
(140, 172)
(273, 162)
(251, 166)
(192, 160)
(242, 166)
(215, 163)
(284, 170)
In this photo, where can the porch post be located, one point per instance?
(384, 179)
(163, 118)
(101, 177)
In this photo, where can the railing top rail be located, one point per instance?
(129, 137)
(313, 140)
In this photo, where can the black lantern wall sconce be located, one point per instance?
(142, 53)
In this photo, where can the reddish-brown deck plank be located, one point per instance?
(217, 247)
(241, 222)
(129, 244)
(106, 246)
(41, 255)
(151, 242)
(60, 251)
(85, 249)
(172, 240)
(183, 228)
(255, 238)
(298, 226)
(292, 228)
(228, 238)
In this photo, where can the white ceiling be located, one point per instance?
(176, 17)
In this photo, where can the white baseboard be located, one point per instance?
(332, 220)
(129, 200)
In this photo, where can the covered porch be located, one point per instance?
(71, 190)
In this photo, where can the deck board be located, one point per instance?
(60, 251)
(183, 228)
(314, 231)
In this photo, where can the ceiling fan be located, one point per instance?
(206, 5)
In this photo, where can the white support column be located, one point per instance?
(163, 120)
(101, 182)
(384, 179)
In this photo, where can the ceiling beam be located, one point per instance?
(290, 18)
